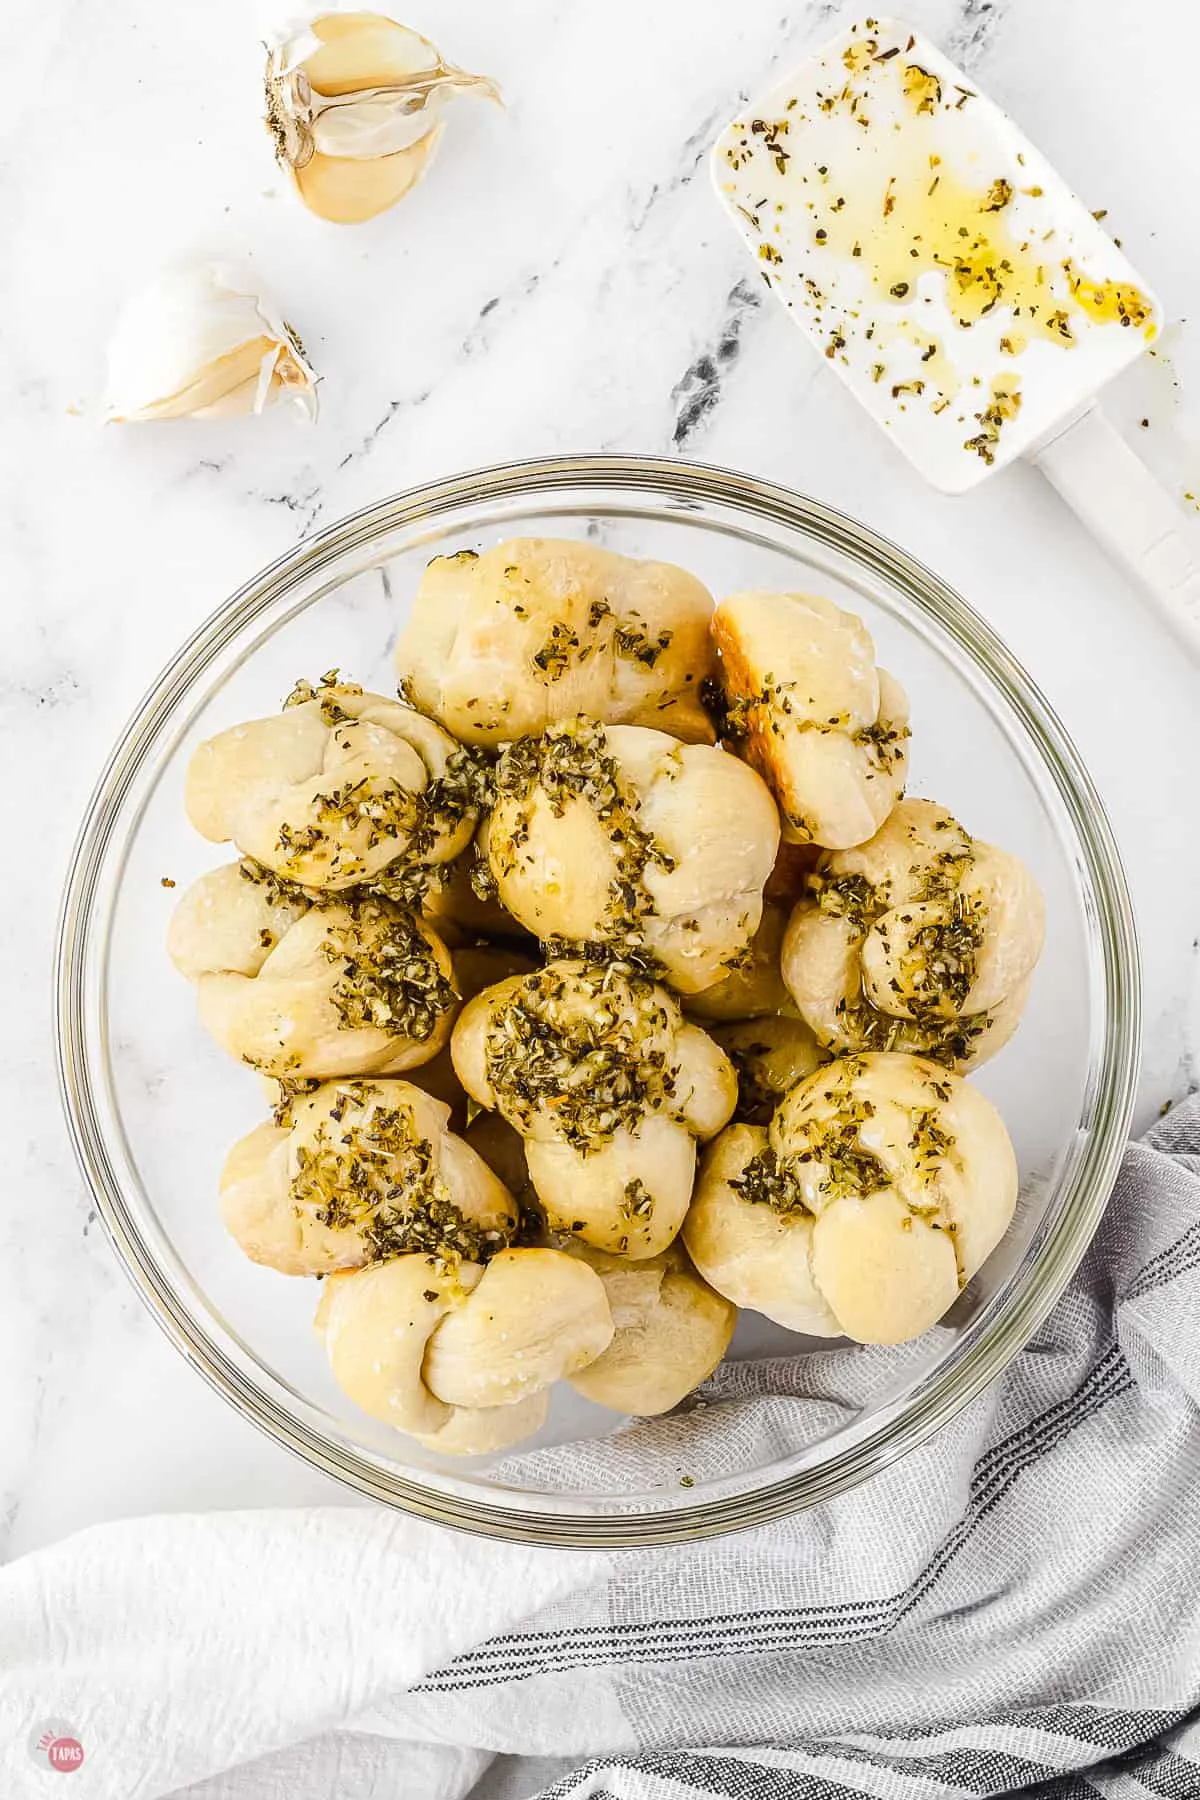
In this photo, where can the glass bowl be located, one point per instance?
(153, 1104)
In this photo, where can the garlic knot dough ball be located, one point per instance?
(351, 986)
(458, 1356)
(349, 1172)
(476, 966)
(623, 836)
(754, 985)
(826, 728)
(770, 1055)
(464, 909)
(501, 645)
(670, 1331)
(881, 1185)
(338, 789)
(610, 1088)
(922, 939)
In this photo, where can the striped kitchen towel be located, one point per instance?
(1012, 1609)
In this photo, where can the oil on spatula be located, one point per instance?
(963, 293)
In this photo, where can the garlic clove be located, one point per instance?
(356, 51)
(361, 49)
(199, 343)
(229, 385)
(370, 126)
(359, 87)
(347, 191)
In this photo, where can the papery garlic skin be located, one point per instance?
(354, 103)
(199, 342)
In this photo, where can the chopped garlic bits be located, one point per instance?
(199, 342)
(354, 103)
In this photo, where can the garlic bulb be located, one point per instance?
(354, 103)
(198, 342)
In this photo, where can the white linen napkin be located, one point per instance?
(1014, 1608)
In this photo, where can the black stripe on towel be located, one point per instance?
(723, 1777)
(1180, 1259)
(982, 1773)
(522, 1656)
(1167, 1773)
(1102, 1728)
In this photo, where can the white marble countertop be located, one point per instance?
(563, 280)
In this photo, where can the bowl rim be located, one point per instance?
(1089, 1181)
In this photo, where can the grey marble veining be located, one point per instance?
(563, 280)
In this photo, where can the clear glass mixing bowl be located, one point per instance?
(153, 1104)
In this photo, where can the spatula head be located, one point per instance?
(959, 288)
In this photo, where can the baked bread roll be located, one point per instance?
(355, 1171)
(353, 987)
(670, 1331)
(462, 1357)
(793, 866)
(610, 1088)
(755, 1254)
(624, 837)
(463, 910)
(475, 966)
(501, 645)
(770, 1054)
(754, 985)
(880, 1187)
(923, 939)
(503, 1150)
(338, 789)
(826, 729)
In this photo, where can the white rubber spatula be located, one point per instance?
(956, 284)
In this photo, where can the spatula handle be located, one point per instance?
(1122, 505)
